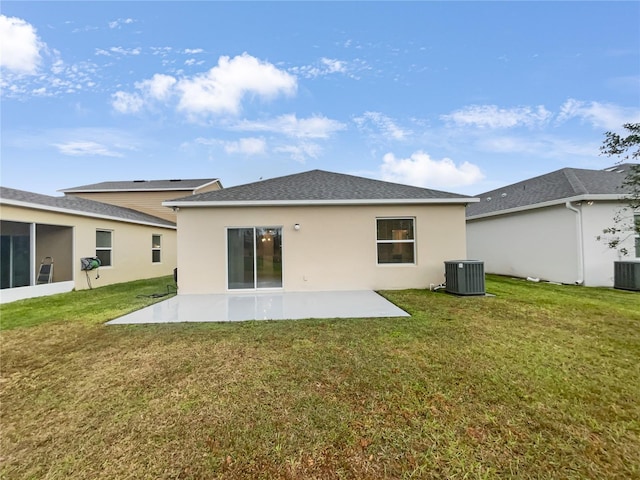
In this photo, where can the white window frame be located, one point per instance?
(105, 249)
(156, 249)
(412, 241)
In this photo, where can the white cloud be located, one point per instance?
(223, 88)
(421, 170)
(491, 116)
(246, 146)
(120, 21)
(382, 123)
(19, 46)
(291, 126)
(220, 90)
(327, 66)
(118, 51)
(124, 102)
(157, 87)
(300, 152)
(193, 51)
(599, 115)
(85, 148)
(546, 146)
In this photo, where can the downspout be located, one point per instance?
(580, 245)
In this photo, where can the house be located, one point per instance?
(547, 227)
(317, 231)
(130, 244)
(144, 195)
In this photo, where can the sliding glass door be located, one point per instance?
(254, 257)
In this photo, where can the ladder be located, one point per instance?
(45, 273)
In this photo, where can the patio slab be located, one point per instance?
(264, 306)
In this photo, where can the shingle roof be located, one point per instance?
(142, 185)
(318, 186)
(559, 185)
(79, 205)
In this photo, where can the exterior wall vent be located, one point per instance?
(626, 275)
(464, 277)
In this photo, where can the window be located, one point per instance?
(104, 247)
(395, 240)
(156, 248)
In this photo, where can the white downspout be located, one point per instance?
(579, 232)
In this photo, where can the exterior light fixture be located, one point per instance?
(296, 226)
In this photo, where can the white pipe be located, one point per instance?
(580, 236)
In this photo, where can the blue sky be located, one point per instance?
(457, 96)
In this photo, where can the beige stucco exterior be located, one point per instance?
(334, 249)
(149, 202)
(67, 237)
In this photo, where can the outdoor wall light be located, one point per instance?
(296, 226)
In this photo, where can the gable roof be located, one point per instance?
(566, 184)
(320, 188)
(143, 185)
(78, 206)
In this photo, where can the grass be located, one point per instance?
(85, 306)
(541, 381)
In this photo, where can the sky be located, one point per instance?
(457, 96)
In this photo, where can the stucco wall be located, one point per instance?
(131, 245)
(539, 243)
(598, 257)
(335, 248)
(543, 243)
(146, 202)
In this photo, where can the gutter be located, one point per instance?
(550, 203)
(82, 213)
(580, 241)
(306, 203)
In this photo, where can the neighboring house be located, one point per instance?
(547, 227)
(131, 245)
(317, 231)
(144, 195)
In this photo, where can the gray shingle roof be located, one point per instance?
(80, 205)
(559, 185)
(142, 185)
(319, 185)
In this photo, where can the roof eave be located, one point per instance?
(204, 185)
(550, 203)
(80, 213)
(298, 203)
(117, 190)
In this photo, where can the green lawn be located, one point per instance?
(540, 381)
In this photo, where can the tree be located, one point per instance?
(625, 148)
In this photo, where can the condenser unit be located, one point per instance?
(626, 275)
(464, 277)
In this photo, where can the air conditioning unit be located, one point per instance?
(464, 277)
(626, 275)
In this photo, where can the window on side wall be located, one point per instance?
(395, 239)
(104, 247)
(156, 248)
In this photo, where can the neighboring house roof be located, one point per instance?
(144, 185)
(566, 184)
(318, 187)
(78, 206)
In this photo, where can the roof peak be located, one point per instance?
(320, 186)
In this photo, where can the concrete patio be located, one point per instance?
(264, 306)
